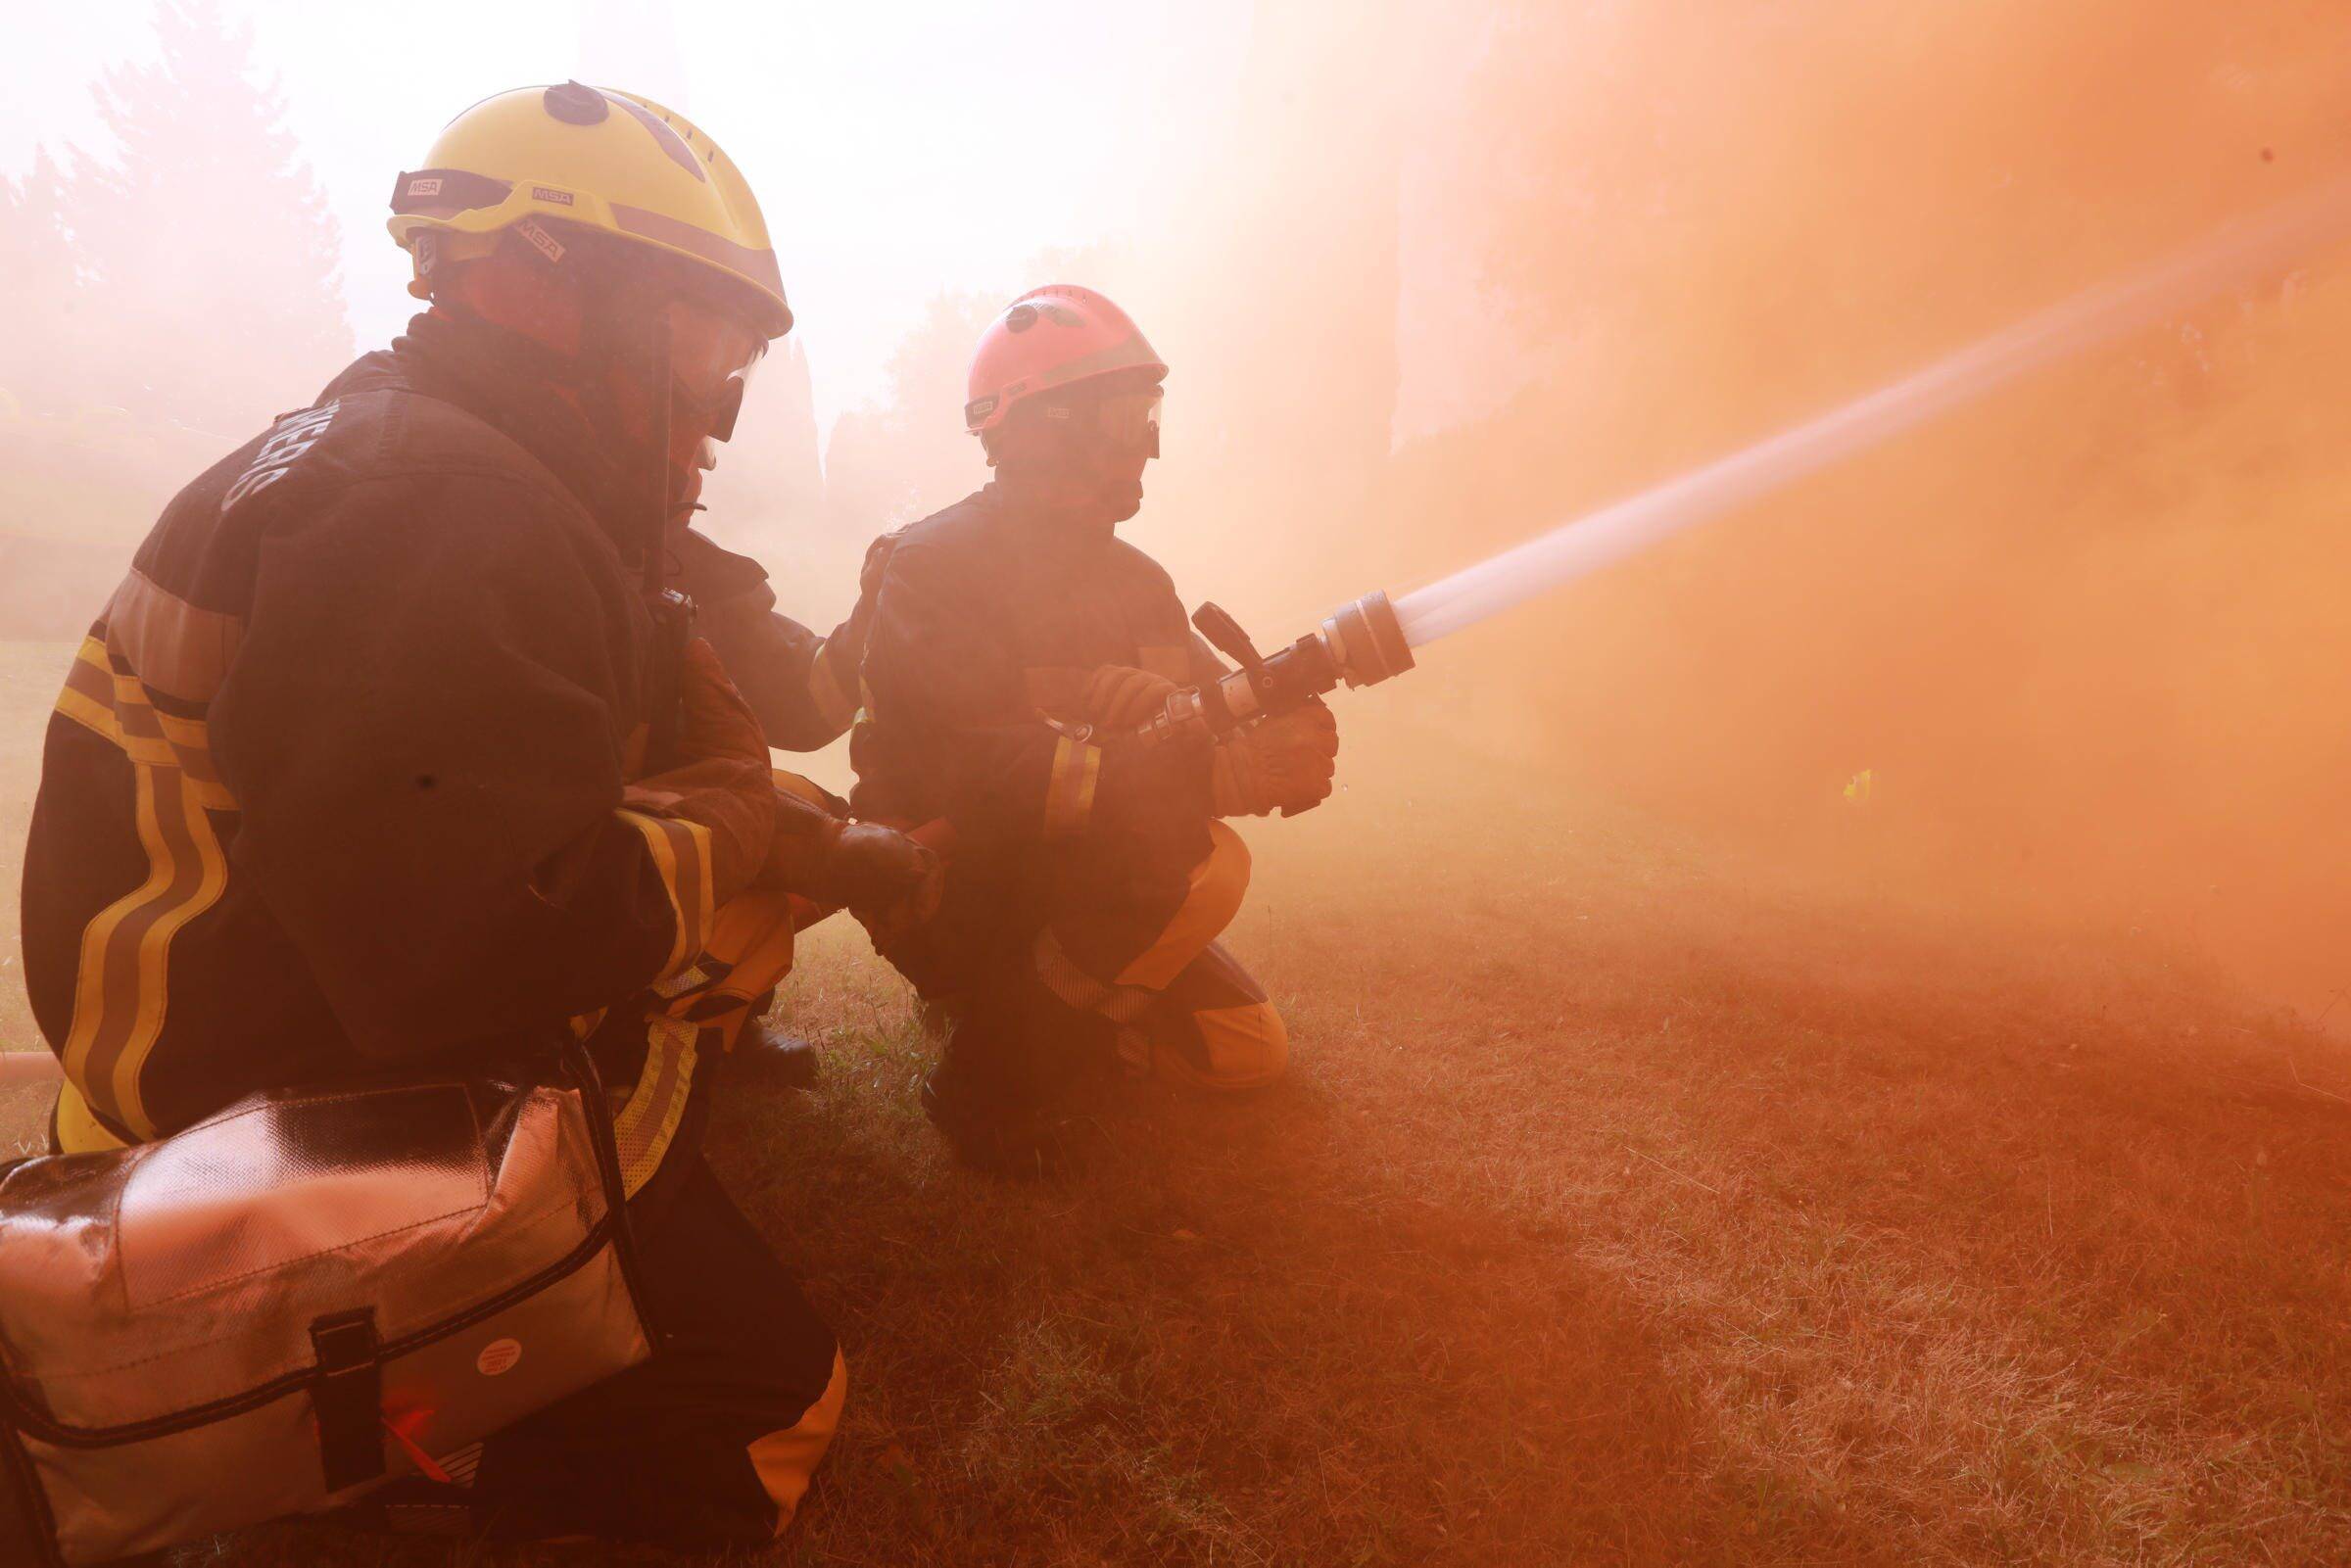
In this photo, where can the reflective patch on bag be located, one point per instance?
(255, 1192)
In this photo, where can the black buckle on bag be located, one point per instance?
(348, 1397)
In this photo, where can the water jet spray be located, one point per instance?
(1370, 640)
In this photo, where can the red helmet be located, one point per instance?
(1051, 337)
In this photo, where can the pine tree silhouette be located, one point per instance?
(891, 463)
(36, 258)
(208, 259)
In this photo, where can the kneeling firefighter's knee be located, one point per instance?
(1245, 1046)
(1211, 898)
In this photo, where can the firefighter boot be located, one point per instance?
(772, 1058)
(999, 1093)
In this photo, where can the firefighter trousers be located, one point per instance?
(711, 1443)
(1176, 1006)
(1113, 962)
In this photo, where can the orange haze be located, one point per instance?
(2088, 638)
(2085, 637)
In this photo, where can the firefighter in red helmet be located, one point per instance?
(1016, 644)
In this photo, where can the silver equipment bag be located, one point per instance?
(279, 1308)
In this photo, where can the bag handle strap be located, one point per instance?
(348, 1394)
(582, 1063)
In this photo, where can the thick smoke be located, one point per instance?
(2079, 648)
(1438, 278)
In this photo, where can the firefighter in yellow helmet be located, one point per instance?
(694, 204)
(388, 752)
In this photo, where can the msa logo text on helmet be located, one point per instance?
(429, 185)
(542, 193)
(545, 244)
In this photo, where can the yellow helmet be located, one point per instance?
(599, 159)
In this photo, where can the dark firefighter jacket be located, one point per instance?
(986, 622)
(337, 778)
(802, 687)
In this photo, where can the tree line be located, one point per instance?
(187, 273)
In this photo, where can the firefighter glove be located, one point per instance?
(886, 880)
(1283, 763)
(1119, 696)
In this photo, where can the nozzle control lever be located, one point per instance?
(1359, 644)
(1226, 636)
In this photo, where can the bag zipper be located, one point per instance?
(32, 1500)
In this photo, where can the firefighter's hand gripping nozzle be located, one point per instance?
(1357, 644)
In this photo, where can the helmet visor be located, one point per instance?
(711, 357)
(1130, 420)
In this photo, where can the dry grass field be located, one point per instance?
(1627, 1205)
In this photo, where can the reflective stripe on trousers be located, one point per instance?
(1183, 1008)
(784, 1460)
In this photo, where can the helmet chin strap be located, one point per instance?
(619, 322)
(624, 341)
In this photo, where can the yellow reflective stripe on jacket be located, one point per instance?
(681, 852)
(1070, 795)
(114, 708)
(178, 648)
(122, 980)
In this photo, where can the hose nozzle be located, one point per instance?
(1359, 644)
(1365, 642)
